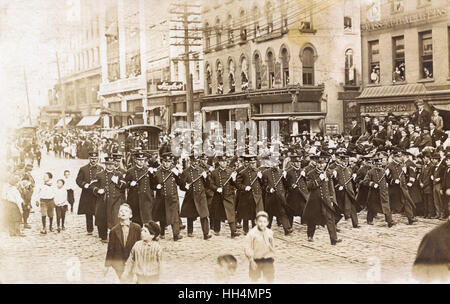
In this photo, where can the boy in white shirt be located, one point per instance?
(45, 196)
(61, 204)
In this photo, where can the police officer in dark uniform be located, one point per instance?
(297, 190)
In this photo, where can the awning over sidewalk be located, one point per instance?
(61, 122)
(88, 121)
(393, 91)
(440, 105)
(225, 107)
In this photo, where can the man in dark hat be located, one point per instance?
(297, 190)
(321, 204)
(378, 196)
(426, 185)
(399, 196)
(273, 180)
(437, 176)
(193, 180)
(118, 163)
(222, 182)
(167, 204)
(345, 194)
(140, 196)
(355, 131)
(85, 178)
(108, 189)
(248, 183)
(421, 117)
(207, 164)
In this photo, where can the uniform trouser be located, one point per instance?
(175, 228)
(407, 206)
(437, 198)
(217, 224)
(282, 218)
(245, 225)
(428, 204)
(103, 231)
(203, 222)
(89, 223)
(70, 198)
(331, 226)
(371, 216)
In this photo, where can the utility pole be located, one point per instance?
(28, 98)
(61, 88)
(186, 12)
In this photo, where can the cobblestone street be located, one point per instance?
(374, 254)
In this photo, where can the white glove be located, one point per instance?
(219, 190)
(438, 179)
(234, 175)
(404, 169)
(375, 186)
(284, 173)
(101, 191)
(259, 175)
(211, 169)
(322, 176)
(303, 173)
(86, 186)
(272, 190)
(432, 177)
(175, 171)
(294, 186)
(334, 173)
(133, 183)
(158, 186)
(409, 184)
(354, 175)
(204, 174)
(187, 186)
(115, 179)
(341, 188)
(151, 170)
(397, 181)
(387, 172)
(248, 188)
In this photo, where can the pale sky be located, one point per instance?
(28, 36)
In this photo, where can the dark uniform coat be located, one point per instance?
(363, 190)
(108, 204)
(223, 203)
(297, 196)
(346, 198)
(140, 197)
(167, 203)
(321, 204)
(399, 194)
(195, 203)
(275, 202)
(378, 198)
(250, 202)
(86, 175)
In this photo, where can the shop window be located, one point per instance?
(243, 30)
(207, 36)
(398, 47)
(308, 66)
(374, 62)
(219, 78)
(271, 69)
(231, 80)
(208, 79)
(258, 79)
(349, 68)
(397, 6)
(426, 54)
(285, 66)
(269, 17)
(244, 74)
(348, 24)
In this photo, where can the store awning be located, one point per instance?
(88, 121)
(151, 108)
(179, 114)
(61, 122)
(225, 107)
(440, 105)
(393, 91)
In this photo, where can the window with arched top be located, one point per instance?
(230, 34)
(244, 74)
(207, 36)
(243, 30)
(258, 79)
(349, 68)
(285, 66)
(271, 68)
(269, 16)
(219, 69)
(208, 79)
(255, 16)
(218, 33)
(231, 76)
(308, 66)
(284, 16)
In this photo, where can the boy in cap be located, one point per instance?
(260, 249)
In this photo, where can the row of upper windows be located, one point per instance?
(398, 58)
(269, 75)
(373, 8)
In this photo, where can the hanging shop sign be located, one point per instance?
(167, 86)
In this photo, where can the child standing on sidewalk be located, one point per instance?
(61, 204)
(260, 249)
(45, 196)
(145, 257)
(69, 185)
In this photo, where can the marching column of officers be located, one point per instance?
(321, 189)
